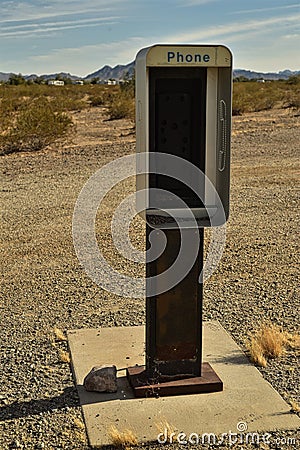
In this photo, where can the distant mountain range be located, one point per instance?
(116, 73)
(119, 72)
(282, 75)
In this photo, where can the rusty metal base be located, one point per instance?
(143, 386)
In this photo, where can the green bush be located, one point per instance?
(35, 125)
(121, 105)
(97, 100)
(253, 96)
(121, 108)
(102, 96)
(128, 86)
(32, 117)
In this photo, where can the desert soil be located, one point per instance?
(44, 286)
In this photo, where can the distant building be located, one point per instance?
(56, 83)
(80, 82)
(260, 81)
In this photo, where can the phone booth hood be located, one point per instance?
(183, 111)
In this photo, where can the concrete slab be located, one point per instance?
(247, 404)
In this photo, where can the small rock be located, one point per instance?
(101, 379)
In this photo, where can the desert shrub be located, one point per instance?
(294, 79)
(97, 100)
(66, 98)
(32, 117)
(129, 86)
(69, 103)
(253, 96)
(7, 109)
(292, 99)
(102, 96)
(239, 102)
(122, 105)
(121, 108)
(33, 126)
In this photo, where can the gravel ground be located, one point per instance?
(45, 287)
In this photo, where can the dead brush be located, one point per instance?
(270, 342)
(78, 423)
(256, 352)
(64, 357)
(292, 341)
(169, 431)
(123, 439)
(59, 334)
(295, 406)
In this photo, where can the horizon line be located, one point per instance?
(124, 65)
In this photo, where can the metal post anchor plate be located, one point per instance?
(144, 385)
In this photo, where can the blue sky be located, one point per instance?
(81, 36)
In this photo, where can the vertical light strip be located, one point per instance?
(211, 132)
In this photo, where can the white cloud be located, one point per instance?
(14, 11)
(30, 30)
(187, 3)
(274, 8)
(231, 30)
(292, 36)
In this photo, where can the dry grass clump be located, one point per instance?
(270, 342)
(79, 430)
(123, 439)
(169, 431)
(79, 424)
(295, 406)
(256, 352)
(64, 357)
(59, 334)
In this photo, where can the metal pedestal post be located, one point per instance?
(174, 331)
